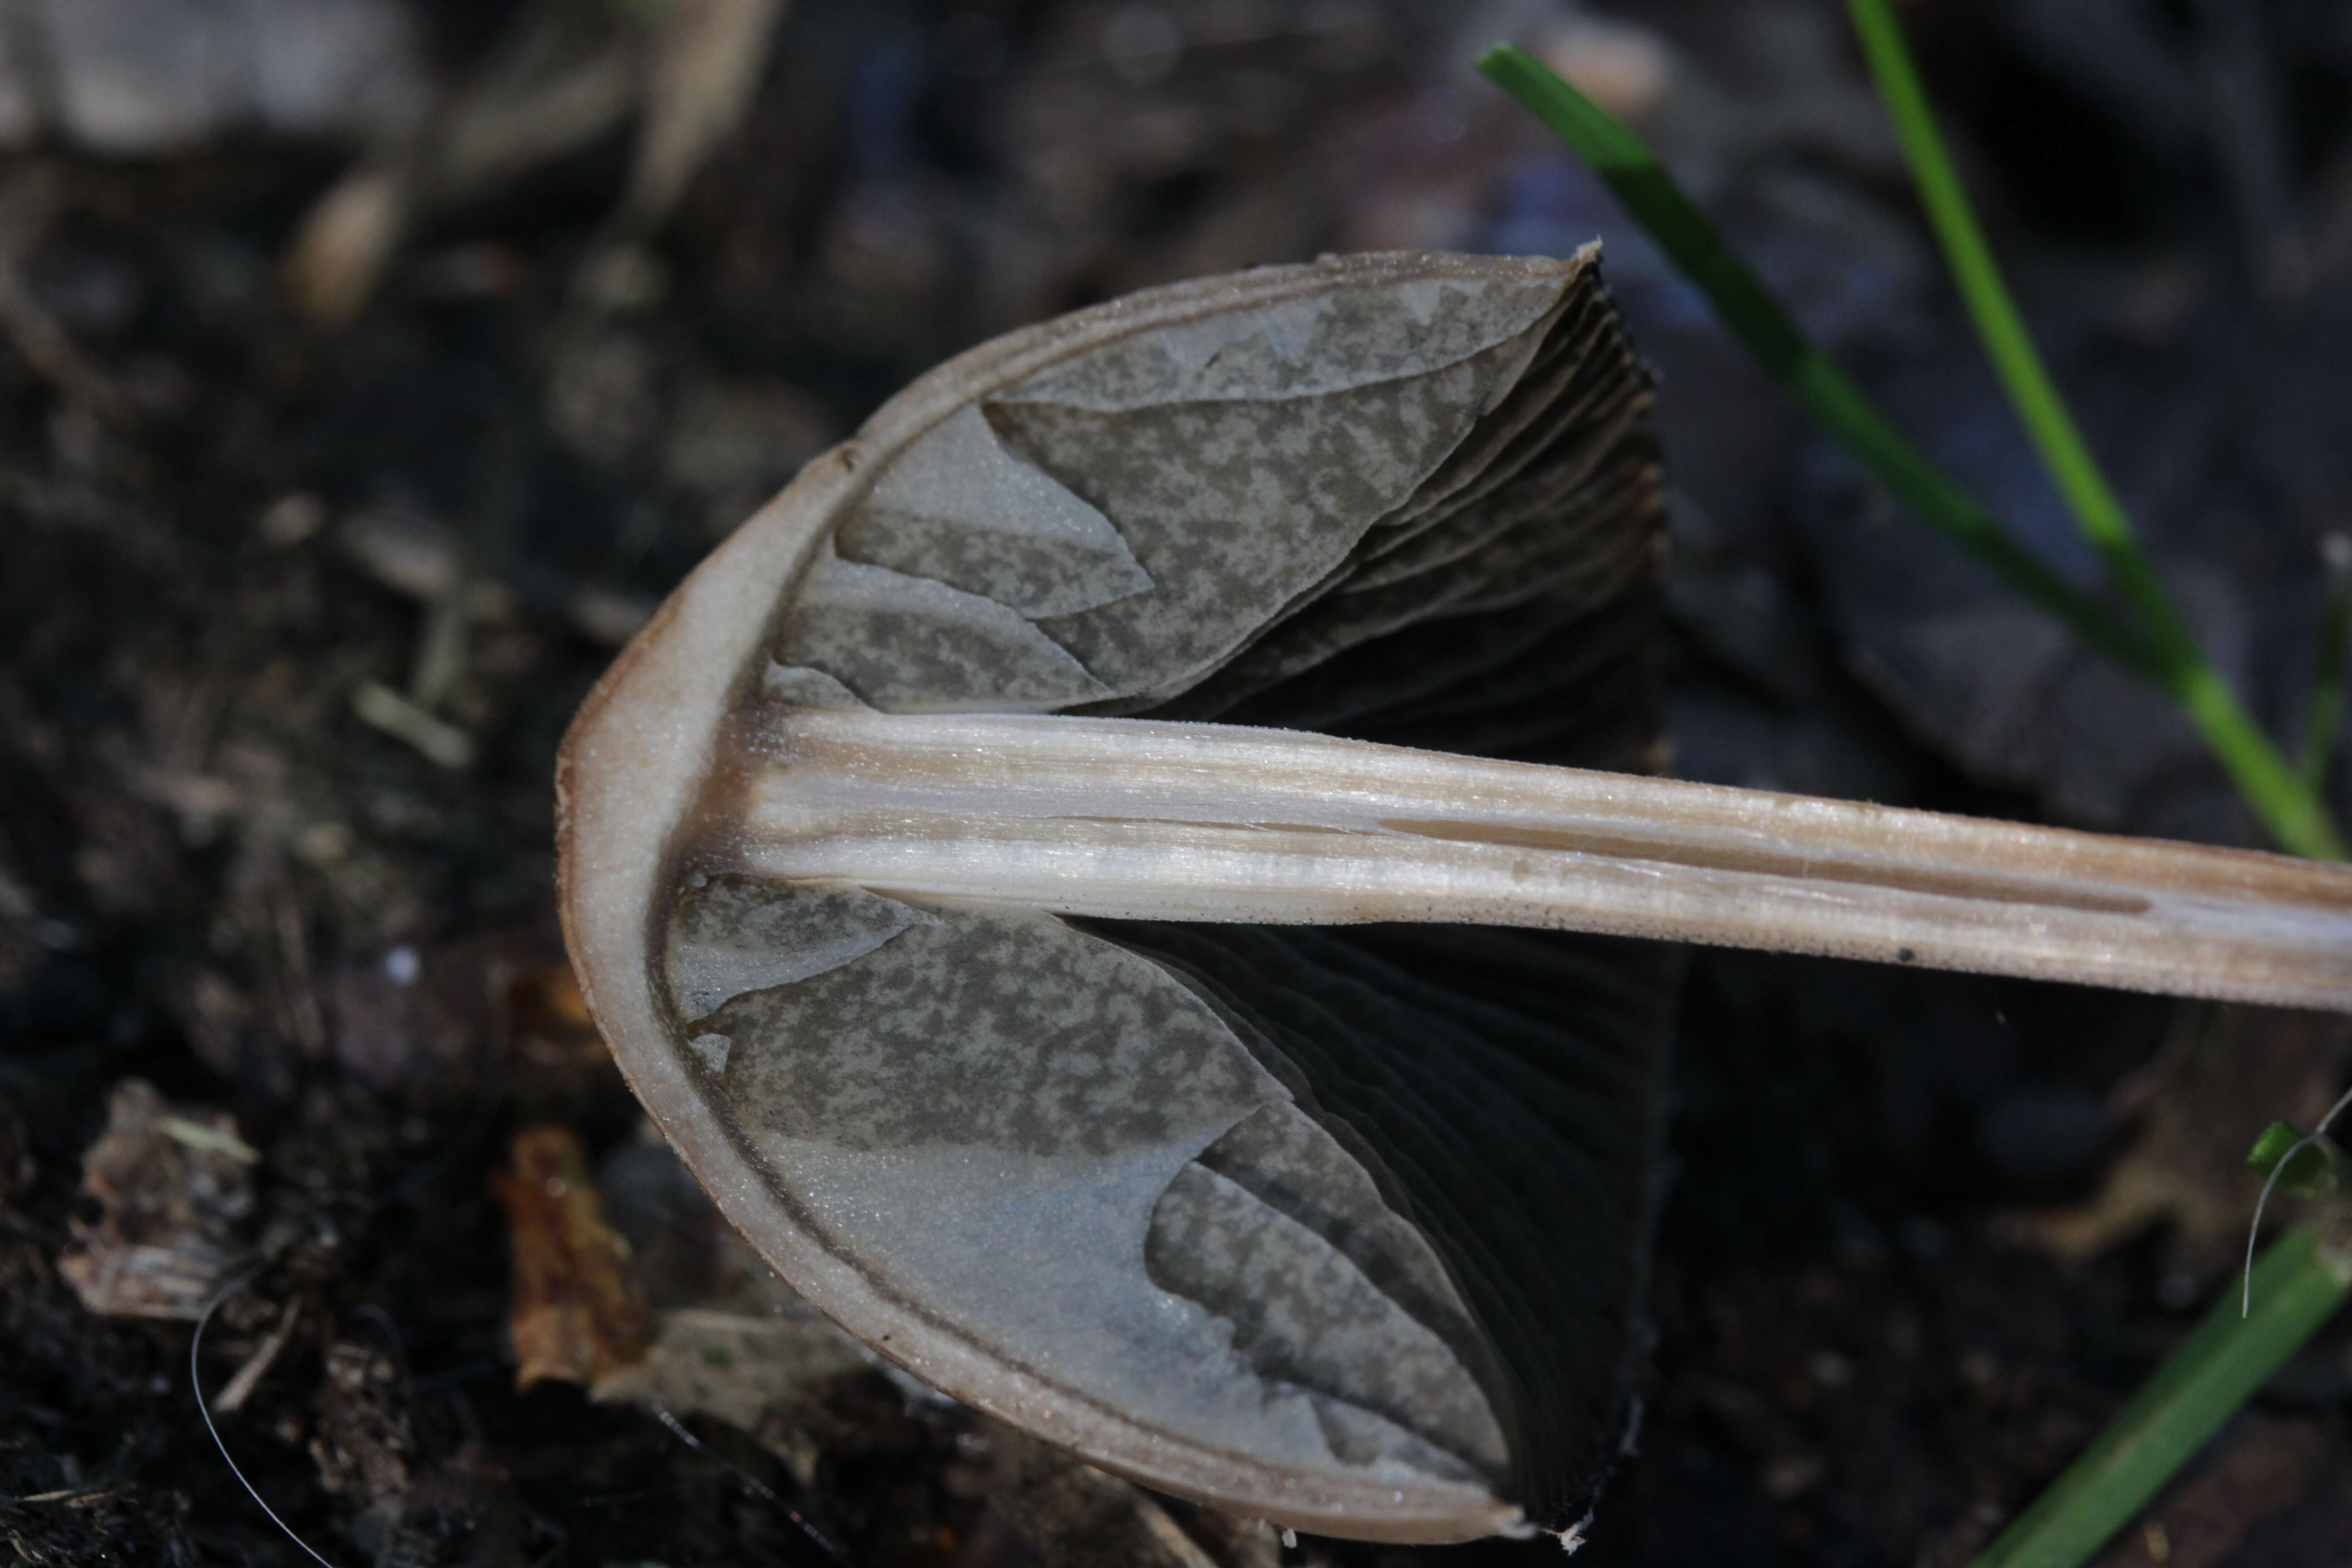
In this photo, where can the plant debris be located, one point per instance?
(173, 1186)
(576, 1312)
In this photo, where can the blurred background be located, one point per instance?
(369, 370)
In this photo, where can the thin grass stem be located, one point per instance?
(2277, 792)
(2297, 1286)
(1747, 308)
(2300, 1282)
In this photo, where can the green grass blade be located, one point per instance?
(2299, 1284)
(2277, 792)
(2044, 414)
(1748, 309)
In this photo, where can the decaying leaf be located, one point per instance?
(574, 1312)
(172, 1185)
(943, 865)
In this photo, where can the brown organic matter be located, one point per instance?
(171, 1186)
(576, 1312)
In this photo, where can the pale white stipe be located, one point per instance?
(1126, 818)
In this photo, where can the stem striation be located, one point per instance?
(1145, 819)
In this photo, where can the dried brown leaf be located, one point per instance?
(576, 1312)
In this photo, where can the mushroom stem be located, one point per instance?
(1135, 818)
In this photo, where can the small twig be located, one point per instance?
(441, 644)
(297, 992)
(211, 1139)
(70, 1494)
(239, 1388)
(396, 716)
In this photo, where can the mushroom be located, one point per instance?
(1088, 879)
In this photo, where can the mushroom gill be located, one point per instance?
(1097, 878)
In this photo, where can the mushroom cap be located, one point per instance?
(1341, 1230)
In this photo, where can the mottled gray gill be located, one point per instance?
(1062, 875)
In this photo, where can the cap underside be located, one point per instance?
(1345, 1228)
